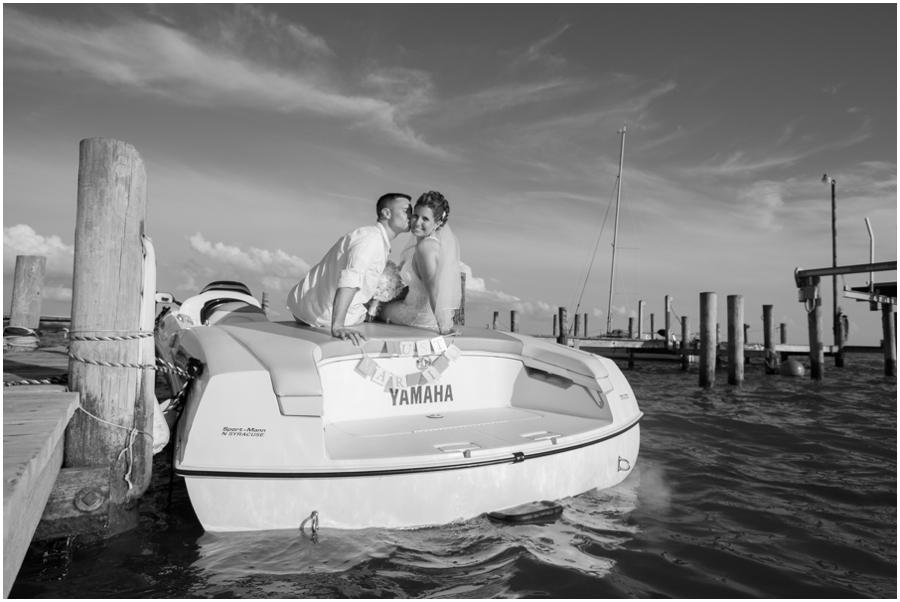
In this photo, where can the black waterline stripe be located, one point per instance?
(389, 472)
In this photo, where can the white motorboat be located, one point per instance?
(285, 422)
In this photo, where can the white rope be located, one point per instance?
(129, 448)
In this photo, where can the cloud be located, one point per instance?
(276, 269)
(21, 239)
(541, 309)
(57, 293)
(761, 202)
(230, 70)
(500, 98)
(477, 291)
(537, 52)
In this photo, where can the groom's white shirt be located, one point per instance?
(356, 260)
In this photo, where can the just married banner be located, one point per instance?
(429, 371)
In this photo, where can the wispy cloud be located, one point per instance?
(537, 52)
(571, 126)
(159, 60)
(500, 98)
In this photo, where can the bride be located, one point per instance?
(430, 268)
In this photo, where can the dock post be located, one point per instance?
(461, 312)
(735, 339)
(563, 338)
(746, 341)
(685, 334)
(265, 302)
(514, 321)
(584, 329)
(28, 286)
(707, 340)
(555, 325)
(783, 337)
(577, 325)
(667, 323)
(107, 299)
(889, 334)
(640, 326)
(496, 320)
(770, 357)
(814, 322)
(630, 328)
(652, 327)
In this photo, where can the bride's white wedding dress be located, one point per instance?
(415, 308)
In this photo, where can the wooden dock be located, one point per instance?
(34, 422)
(657, 348)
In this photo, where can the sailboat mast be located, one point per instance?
(612, 272)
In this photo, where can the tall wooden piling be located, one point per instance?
(814, 322)
(630, 328)
(735, 339)
(461, 312)
(707, 340)
(496, 322)
(839, 339)
(563, 338)
(685, 335)
(514, 321)
(106, 301)
(783, 333)
(27, 289)
(652, 327)
(640, 320)
(667, 322)
(577, 325)
(771, 356)
(555, 325)
(584, 327)
(889, 334)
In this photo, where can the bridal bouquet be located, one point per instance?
(390, 287)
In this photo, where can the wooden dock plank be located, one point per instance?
(33, 427)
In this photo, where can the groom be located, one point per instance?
(333, 293)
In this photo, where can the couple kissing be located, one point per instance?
(356, 272)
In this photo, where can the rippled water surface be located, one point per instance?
(783, 487)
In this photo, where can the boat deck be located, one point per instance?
(478, 432)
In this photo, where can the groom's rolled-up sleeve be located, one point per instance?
(361, 255)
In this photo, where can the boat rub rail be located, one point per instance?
(513, 458)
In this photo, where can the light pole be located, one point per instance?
(836, 326)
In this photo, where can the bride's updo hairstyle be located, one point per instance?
(439, 206)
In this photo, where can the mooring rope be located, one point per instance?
(138, 334)
(129, 448)
(160, 365)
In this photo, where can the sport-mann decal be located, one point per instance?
(238, 431)
(436, 393)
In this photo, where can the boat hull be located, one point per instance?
(409, 430)
(413, 498)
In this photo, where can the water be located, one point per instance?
(781, 488)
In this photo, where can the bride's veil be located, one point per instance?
(448, 287)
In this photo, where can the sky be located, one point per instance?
(268, 131)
